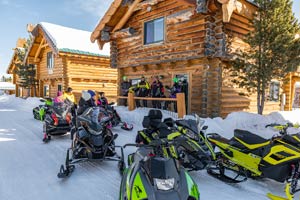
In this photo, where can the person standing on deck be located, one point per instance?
(143, 88)
(157, 91)
(125, 85)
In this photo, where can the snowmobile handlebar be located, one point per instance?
(154, 143)
(282, 128)
(275, 125)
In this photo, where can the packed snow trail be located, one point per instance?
(28, 167)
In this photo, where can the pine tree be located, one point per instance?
(25, 72)
(273, 49)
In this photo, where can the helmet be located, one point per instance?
(85, 95)
(91, 92)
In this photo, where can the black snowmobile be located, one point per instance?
(39, 112)
(92, 141)
(154, 175)
(110, 111)
(58, 120)
(192, 149)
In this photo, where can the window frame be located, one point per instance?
(145, 32)
(50, 62)
(273, 85)
(59, 87)
(44, 91)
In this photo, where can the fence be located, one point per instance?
(179, 100)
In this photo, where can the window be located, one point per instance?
(274, 91)
(50, 60)
(46, 91)
(59, 88)
(154, 31)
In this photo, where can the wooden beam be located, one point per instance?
(227, 8)
(123, 33)
(106, 18)
(39, 50)
(125, 18)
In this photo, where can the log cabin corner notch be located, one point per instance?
(192, 46)
(19, 91)
(64, 57)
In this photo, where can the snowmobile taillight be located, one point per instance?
(151, 154)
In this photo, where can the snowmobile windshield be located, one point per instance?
(189, 123)
(161, 168)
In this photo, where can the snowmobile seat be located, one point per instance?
(146, 122)
(164, 130)
(155, 117)
(249, 140)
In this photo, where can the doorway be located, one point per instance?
(183, 80)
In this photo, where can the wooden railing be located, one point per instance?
(179, 100)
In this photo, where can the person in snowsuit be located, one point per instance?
(59, 98)
(68, 94)
(142, 90)
(87, 100)
(157, 91)
(102, 101)
(176, 88)
(125, 86)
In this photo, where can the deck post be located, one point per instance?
(181, 104)
(130, 101)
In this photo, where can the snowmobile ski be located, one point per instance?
(289, 196)
(65, 172)
(126, 126)
(219, 173)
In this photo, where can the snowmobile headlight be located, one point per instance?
(164, 184)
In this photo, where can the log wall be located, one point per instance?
(184, 35)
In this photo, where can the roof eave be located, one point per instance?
(105, 19)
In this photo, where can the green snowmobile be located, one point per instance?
(192, 148)
(39, 112)
(153, 174)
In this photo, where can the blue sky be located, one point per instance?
(80, 14)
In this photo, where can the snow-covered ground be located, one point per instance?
(28, 168)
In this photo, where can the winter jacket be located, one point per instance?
(143, 89)
(125, 88)
(175, 89)
(102, 101)
(71, 97)
(58, 99)
(157, 89)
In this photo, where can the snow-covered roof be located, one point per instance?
(7, 86)
(74, 39)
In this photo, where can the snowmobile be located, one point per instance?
(193, 150)
(92, 141)
(249, 155)
(58, 120)
(115, 117)
(39, 112)
(152, 174)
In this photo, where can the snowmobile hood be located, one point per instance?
(137, 185)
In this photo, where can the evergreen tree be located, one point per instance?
(273, 49)
(25, 72)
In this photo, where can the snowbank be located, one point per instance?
(11, 101)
